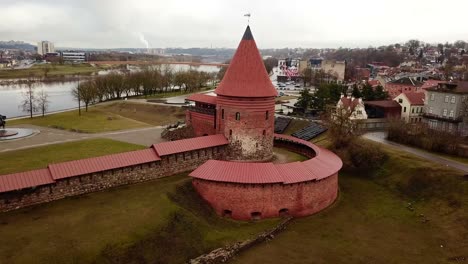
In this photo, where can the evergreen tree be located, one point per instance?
(304, 100)
(356, 92)
(380, 94)
(368, 93)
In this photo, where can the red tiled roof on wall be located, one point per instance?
(103, 163)
(246, 75)
(27, 179)
(202, 98)
(323, 165)
(178, 146)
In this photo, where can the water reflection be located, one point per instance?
(59, 92)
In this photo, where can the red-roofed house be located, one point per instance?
(354, 105)
(412, 105)
(406, 84)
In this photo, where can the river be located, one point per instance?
(59, 93)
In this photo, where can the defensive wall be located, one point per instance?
(247, 191)
(261, 190)
(72, 178)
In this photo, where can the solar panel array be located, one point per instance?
(281, 123)
(309, 132)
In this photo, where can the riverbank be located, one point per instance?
(51, 70)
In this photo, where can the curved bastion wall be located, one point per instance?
(247, 191)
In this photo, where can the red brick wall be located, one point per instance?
(396, 89)
(242, 200)
(202, 124)
(167, 166)
(251, 137)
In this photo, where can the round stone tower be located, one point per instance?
(246, 104)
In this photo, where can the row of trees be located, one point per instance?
(325, 94)
(368, 93)
(149, 81)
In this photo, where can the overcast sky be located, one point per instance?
(220, 23)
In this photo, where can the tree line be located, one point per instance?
(149, 81)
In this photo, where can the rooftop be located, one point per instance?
(415, 98)
(202, 98)
(246, 75)
(183, 145)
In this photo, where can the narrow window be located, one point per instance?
(446, 98)
(222, 113)
(452, 100)
(445, 112)
(264, 132)
(404, 109)
(432, 97)
(230, 132)
(412, 110)
(266, 115)
(237, 116)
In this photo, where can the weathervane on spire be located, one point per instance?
(248, 18)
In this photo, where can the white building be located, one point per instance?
(44, 47)
(412, 105)
(353, 105)
(73, 56)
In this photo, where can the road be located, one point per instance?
(48, 136)
(380, 137)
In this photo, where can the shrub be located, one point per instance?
(365, 155)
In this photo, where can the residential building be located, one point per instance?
(405, 84)
(354, 105)
(412, 106)
(335, 68)
(44, 47)
(445, 106)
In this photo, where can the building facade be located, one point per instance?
(445, 107)
(412, 106)
(44, 47)
(403, 85)
(73, 56)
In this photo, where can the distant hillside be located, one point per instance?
(16, 45)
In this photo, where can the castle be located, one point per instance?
(229, 157)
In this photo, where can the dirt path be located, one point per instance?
(380, 137)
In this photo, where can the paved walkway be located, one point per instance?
(381, 138)
(143, 136)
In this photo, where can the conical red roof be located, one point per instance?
(246, 75)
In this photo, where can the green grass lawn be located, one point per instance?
(93, 121)
(162, 220)
(284, 156)
(371, 222)
(53, 70)
(109, 116)
(40, 157)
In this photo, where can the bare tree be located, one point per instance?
(28, 104)
(86, 93)
(42, 101)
